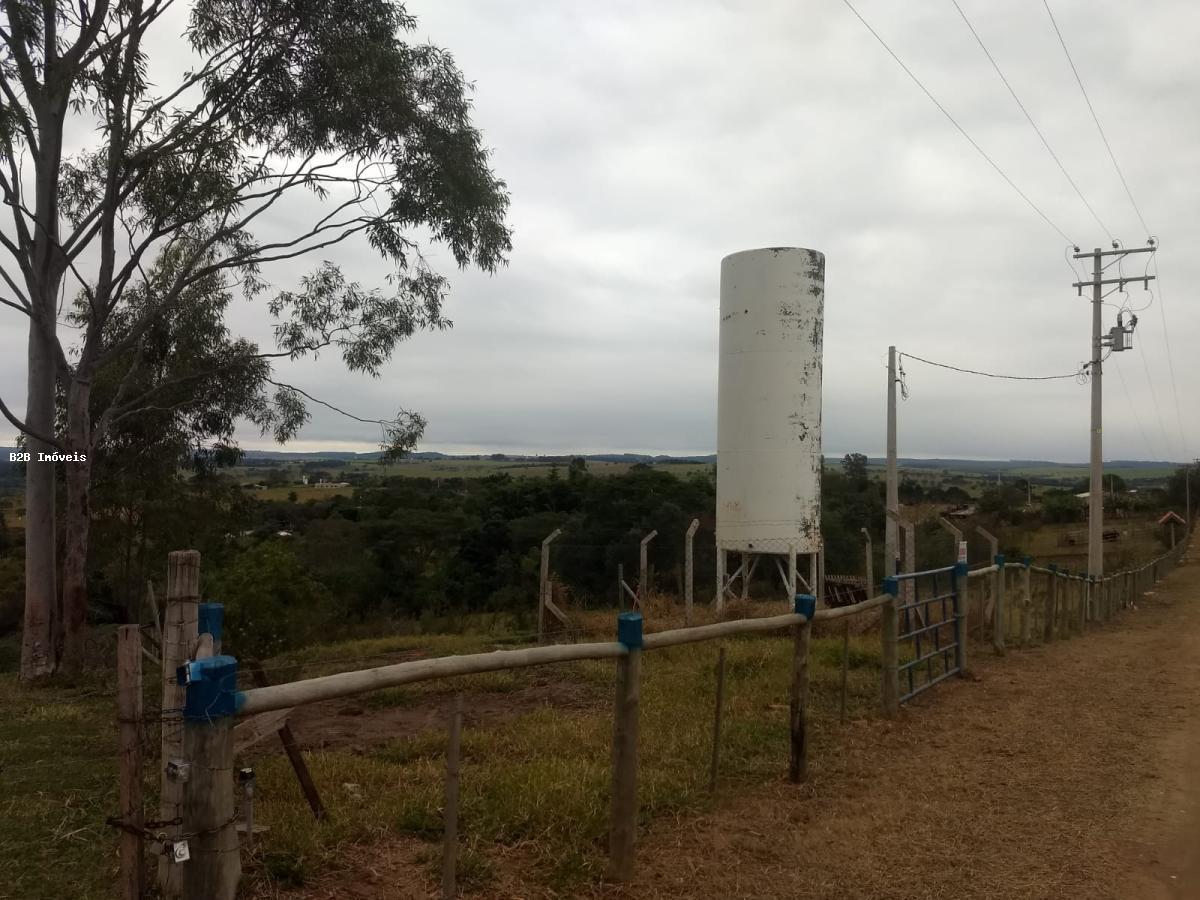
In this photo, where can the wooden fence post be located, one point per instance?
(129, 719)
(889, 629)
(716, 748)
(805, 605)
(687, 582)
(622, 834)
(214, 866)
(543, 580)
(179, 639)
(450, 833)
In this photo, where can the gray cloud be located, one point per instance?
(643, 142)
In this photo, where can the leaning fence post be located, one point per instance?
(295, 757)
(622, 833)
(998, 624)
(889, 630)
(805, 605)
(129, 719)
(179, 636)
(213, 864)
(543, 580)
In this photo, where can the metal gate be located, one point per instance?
(929, 635)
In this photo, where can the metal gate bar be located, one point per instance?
(934, 590)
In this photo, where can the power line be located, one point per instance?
(1133, 409)
(1029, 119)
(1095, 118)
(954, 122)
(1076, 374)
(1170, 363)
(1154, 398)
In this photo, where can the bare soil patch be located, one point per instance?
(354, 725)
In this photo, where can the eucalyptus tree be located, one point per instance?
(142, 170)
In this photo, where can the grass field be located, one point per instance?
(535, 780)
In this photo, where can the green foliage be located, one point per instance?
(12, 592)
(271, 601)
(1061, 506)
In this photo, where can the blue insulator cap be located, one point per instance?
(210, 619)
(891, 586)
(961, 570)
(211, 688)
(1027, 561)
(805, 605)
(629, 630)
(999, 560)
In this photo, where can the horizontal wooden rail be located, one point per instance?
(986, 570)
(842, 612)
(345, 684)
(719, 630)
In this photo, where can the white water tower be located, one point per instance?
(769, 416)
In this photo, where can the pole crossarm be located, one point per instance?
(1121, 281)
(1121, 251)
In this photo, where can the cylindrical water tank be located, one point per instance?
(769, 400)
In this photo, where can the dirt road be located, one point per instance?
(1069, 771)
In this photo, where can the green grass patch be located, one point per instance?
(58, 771)
(542, 780)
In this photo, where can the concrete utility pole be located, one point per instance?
(891, 533)
(1117, 340)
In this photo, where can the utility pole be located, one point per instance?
(1119, 338)
(891, 534)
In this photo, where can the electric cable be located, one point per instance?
(1133, 409)
(1170, 362)
(1029, 118)
(930, 362)
(1095, 118)
(954, 122)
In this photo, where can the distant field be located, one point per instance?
(435, 468)
(302, 492)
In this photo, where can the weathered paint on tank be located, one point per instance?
(769, 400)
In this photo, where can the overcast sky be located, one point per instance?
(643, 141)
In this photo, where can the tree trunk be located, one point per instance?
(41, 597)
(76, 521)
